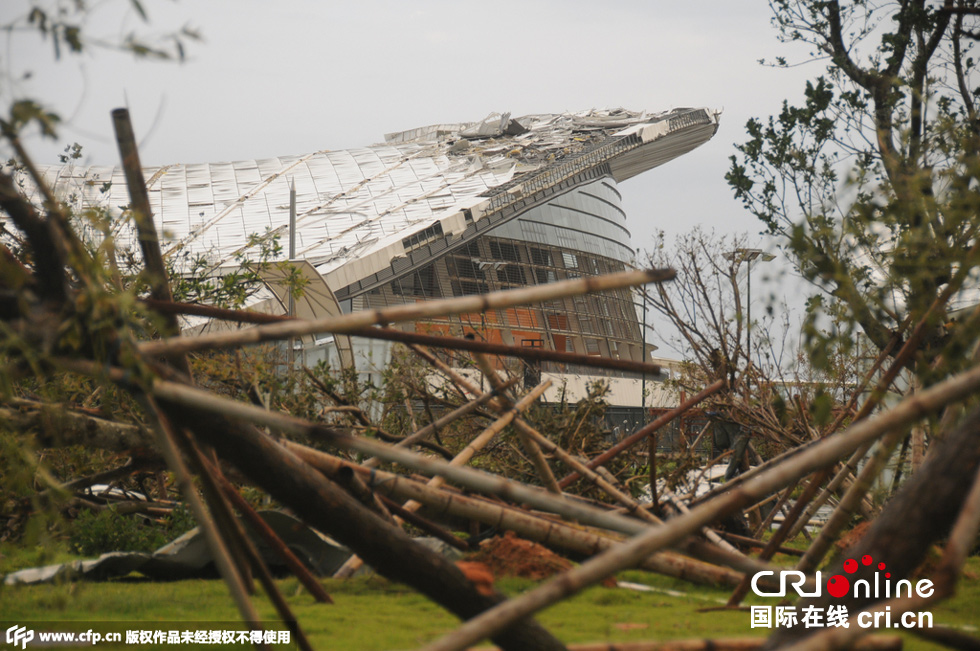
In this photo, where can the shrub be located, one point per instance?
(97, 532)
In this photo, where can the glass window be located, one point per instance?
(511, 274)
(504, 251)
(541, 257)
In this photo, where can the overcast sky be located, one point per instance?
(294, 77)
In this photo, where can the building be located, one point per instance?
(443, 210)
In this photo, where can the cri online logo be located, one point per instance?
(19, 635)
(839, 585)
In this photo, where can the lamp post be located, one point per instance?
(738, 256)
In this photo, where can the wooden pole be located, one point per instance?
(202, 400)
(407, 312)
(632, 506)
(424, 524)
(402, 336)
(814, 505)
(499, 404)
(845, 508)
(816, 479)
(145, 229)
(708, 532)
(228, 526)
(774, 511)
(255, 559)
(934, 500)
(652, 457)
(323, 505)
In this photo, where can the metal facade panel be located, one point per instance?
(362, 202)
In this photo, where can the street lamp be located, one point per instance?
(738, 256)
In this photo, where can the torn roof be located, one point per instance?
(358, 209)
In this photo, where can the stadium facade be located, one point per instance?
(439, 211)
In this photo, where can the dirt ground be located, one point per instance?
(509, 555)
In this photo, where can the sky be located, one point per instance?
(283, 78)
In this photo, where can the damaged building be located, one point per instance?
(438, 211)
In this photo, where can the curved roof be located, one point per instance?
(359, 209)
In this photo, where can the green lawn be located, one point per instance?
(371, 613)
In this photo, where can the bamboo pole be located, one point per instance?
(473, 479)
(228, 526)
(527, 440)
(495, 428)
(866, 409)
(811, 510)
(638, 436)
(845, 509)
(354, 563)
(603, 483)
(755, 542)
(426, 525)
(362, 418)
(145, 229)
(652, 459)
(498, 404)
(270, 537)
(223, 561)
(902, 357)
(405, 337)
(816, 479)
(545, 530)
(439, 423)
(825, 452)
(962, 538)
(774, 511)
(708, 532)
(265, 577)
(632, 506)
(407, 312)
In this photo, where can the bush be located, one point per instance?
(97, 532)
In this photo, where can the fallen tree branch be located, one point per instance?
(407, 312)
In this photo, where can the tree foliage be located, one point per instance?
(870, 183)
(72, 29)
(779, 397)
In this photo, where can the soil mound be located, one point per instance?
(509, 555)
(853, 536)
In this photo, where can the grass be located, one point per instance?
(371, 613)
